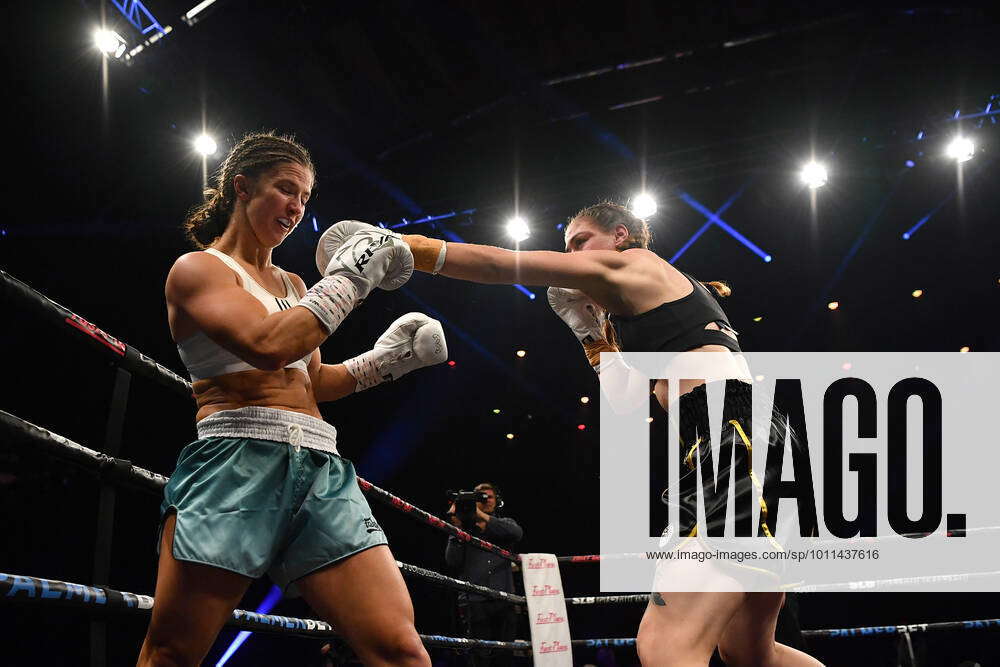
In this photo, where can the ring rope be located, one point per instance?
(874, 584)
(984, 624)
(34, 590)
(120, 352)
(445, 581)
(22, 589)
(37, 438)
(429, 519)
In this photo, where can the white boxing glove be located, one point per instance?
(579, 312)
(585, 318)
(333, 238)
(412, 341)
(369, 260)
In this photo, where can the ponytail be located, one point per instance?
(207, 221)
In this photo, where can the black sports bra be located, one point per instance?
(675, 326)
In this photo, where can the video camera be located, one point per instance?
(465, 504)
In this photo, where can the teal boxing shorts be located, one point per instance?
(264, 490)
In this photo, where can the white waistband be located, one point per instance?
(295, 428)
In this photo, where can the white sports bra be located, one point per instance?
(204, 358)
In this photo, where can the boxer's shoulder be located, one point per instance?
(197, 270)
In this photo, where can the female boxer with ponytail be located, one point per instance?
(263, 488)
(616, 294)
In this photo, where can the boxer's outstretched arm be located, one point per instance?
(499, 266)
(605, 275)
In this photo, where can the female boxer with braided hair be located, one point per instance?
(616, 294)
(263, 489)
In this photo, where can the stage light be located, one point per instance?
(759, 378)
(581, 427)
(847, 366)
(813, 175)
(643, 206)
(917, 293)
(585, 399)
(194, 11)
(758, 318)
(517, 229)
(649, 420)
(205, 145)
(910, 164)
(451, 363)
(109, 42)
(964, 349)
(510, 436)
(960, 149)
(496, 411)
(833, 305)
(521, 353)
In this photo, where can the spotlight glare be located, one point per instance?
(521, 353)
(813, 175)
(964, 349)
(517, 229)
(759, 378)
(833, 305)
(960, 149)
(643, 205)
(582, 427)
(205, 145)
(496, 411)
(585, 399)
(847, 366)
(758, 318)
(649, 420)
(917, 293)
(109, 42)
(510, 436)
(452, 363)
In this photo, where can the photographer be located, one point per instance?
(480, 617)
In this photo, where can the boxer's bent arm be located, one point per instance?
(330, 382)
(206, 290)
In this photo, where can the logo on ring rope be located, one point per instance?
(95, 333)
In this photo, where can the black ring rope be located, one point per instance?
(98, 599)
(35, 438)
(121, 353)
(445, 581)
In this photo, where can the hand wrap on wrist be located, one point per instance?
(362, 368)
(428, 254)
(594, 350)
(331, 300)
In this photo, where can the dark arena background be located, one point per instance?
(448, 119)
